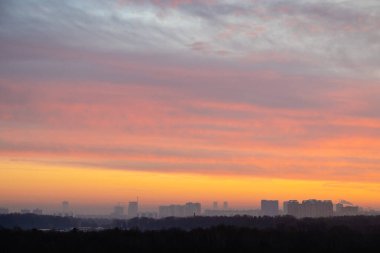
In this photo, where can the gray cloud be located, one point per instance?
(331, 33)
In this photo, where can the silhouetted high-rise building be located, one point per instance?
(65, 208)
(178, 210)
(231, 212)
(192, 209)
(133, 208)
(291, 207)
(349, 210)
(316, 208)
(189, 209)
(339, 208)
(165, 211)
(309, 208)
(225, 205)
(269, 207)
(215, 205)
(171, 211)
(118, 212)
(285, 207)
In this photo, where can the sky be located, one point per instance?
(187, 100)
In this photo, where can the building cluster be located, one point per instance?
(269, 208)
(318, 208)
(186, 210)
(306, 208)
(346, 210)
(226, 211)
(231, 212)
(133, 211)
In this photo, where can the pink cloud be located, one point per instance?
(147, 127)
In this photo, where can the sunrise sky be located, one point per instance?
(102, 101)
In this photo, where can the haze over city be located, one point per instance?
(173, 101)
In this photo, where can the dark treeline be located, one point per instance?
(31, 221)
(215, 239)
(197, 234)
(357, 223)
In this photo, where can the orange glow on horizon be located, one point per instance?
(37, 183)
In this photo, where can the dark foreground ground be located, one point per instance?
(218, 239)
(283, 234)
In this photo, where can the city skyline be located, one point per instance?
(176, 100)
(132, 209)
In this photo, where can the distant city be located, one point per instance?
(300, 209)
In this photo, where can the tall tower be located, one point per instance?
(133, 208)
(118, 211)
(65, 208)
